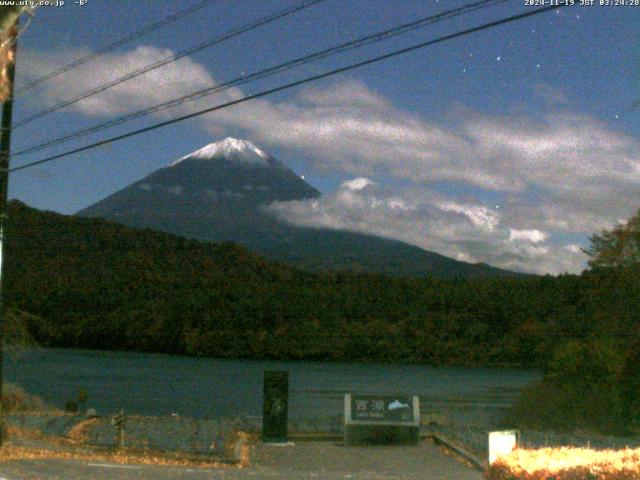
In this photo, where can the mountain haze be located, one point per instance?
(219, 193)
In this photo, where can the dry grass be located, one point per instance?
(15, 399)
(80, 431)
(567, 464)
(124, 457)
(74, 446)
(71, 449)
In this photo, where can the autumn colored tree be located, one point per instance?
(617, 247)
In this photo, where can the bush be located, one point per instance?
(580, 391)
(566, 464)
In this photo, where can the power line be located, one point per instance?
(360, 42)
(170, 59)
(112, 46)
(287, 86)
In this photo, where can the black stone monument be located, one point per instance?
(275, 406)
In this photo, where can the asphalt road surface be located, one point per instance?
(305, 460)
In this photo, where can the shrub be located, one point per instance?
(566, 464)
(580, 391)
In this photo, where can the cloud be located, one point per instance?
(580, 172)
(533, 236)
(562, 173)
(358, 183)
(167, 82)
(563, 154)
(465, 231)
(573, 248)
(479, 216)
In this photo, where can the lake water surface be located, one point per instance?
(153, 384)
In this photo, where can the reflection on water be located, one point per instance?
(152, 384)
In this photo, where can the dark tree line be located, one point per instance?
(96, 284)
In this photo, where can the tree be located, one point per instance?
(580, 391)
(618, 247)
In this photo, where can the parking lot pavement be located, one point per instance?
(305, 460)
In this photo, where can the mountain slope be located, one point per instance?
(218, 193)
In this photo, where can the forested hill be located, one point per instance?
(96, 284)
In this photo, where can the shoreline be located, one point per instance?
(462, 365)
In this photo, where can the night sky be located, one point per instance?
(509, 146)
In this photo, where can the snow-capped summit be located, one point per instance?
(233, 149)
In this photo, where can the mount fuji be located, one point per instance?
(218, 193)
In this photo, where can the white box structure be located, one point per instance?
(502, 443)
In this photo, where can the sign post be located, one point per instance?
(82, 398)
(381, 419)
(118, 422)
(275, 406)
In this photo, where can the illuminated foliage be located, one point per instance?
(566, 464)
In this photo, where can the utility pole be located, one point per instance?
(5, 148)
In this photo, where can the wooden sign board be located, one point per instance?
(381, 419)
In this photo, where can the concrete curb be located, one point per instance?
(476, 460)
(478, 463)
(438, 438)
(316, 437)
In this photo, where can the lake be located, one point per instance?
(154, 384)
